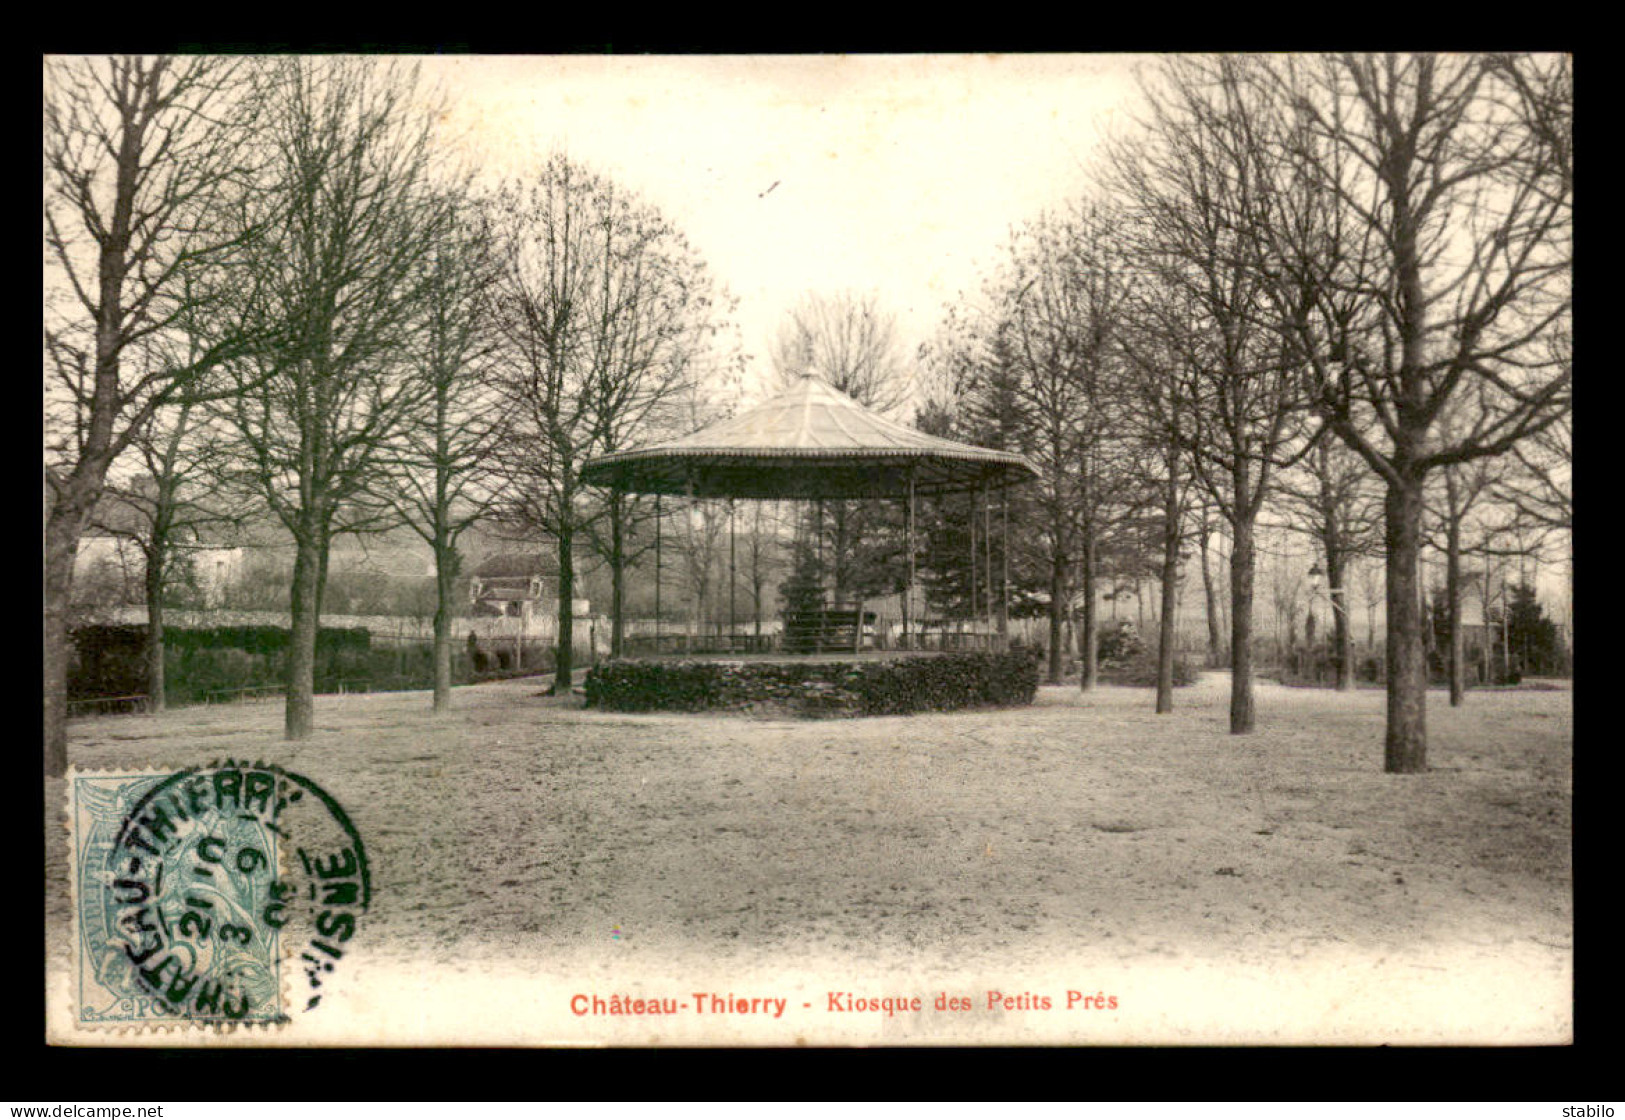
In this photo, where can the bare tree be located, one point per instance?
(142, 159)
(173, 497)
(1159, 387)
(319, 419)
(1369, 583)
(1065, 303)
(944, 521)
(998, 385)
(1461, 492)
(850, 341)
(1206, 524)
(1031, 364)
(441, 482)
(701, 524)
(1286, 596)
(1538, 487)
(1003, 397)
(1332, 497)
(764, 556)
(1541, 487)
(1420, 248)
(1097, 290)
(602, 310)
(658, 324)
(1197, 193)
(702, 544)
(1537, 482)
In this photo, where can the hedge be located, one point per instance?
(111, 660)
(916, 684)
(250, 639)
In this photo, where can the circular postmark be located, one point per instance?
(221, 879)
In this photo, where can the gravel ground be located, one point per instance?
(1276, 887)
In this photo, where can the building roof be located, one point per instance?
(812, 441)
(513, 566)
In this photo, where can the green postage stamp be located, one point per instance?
(215, 896)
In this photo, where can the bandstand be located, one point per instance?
(814, 443)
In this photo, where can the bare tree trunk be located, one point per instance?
(155, 630)
(1089, 638)
(77, 494)
(1342, 638)
(1215, 627)
(1506, 643)
(564, 666)
(758, 576)
(323, 555)
(1430, 640)
(1057, 617)
(1242, 563)
(1337, 592)
(305, 605)
(838, 565)
(445, 574)
(62, 532)
(906, 596)
(1405, 745)
(1170, 591)
(1002, 612)
(818, 535)
(617, 576)
(1452, 594)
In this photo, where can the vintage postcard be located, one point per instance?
(894, 550)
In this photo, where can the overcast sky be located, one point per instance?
(898, 174)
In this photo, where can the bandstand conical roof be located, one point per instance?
(811, 441)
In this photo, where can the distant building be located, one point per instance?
(508, 585)
(518, 585)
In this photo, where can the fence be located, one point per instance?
(104, 705)
(640, 645)
(238, 695)
(591, 630)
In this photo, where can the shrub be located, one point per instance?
(945, 683)
(1141, 670)
(1312, 665)
(107, 661)
(1118, 642)
(494, 658)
